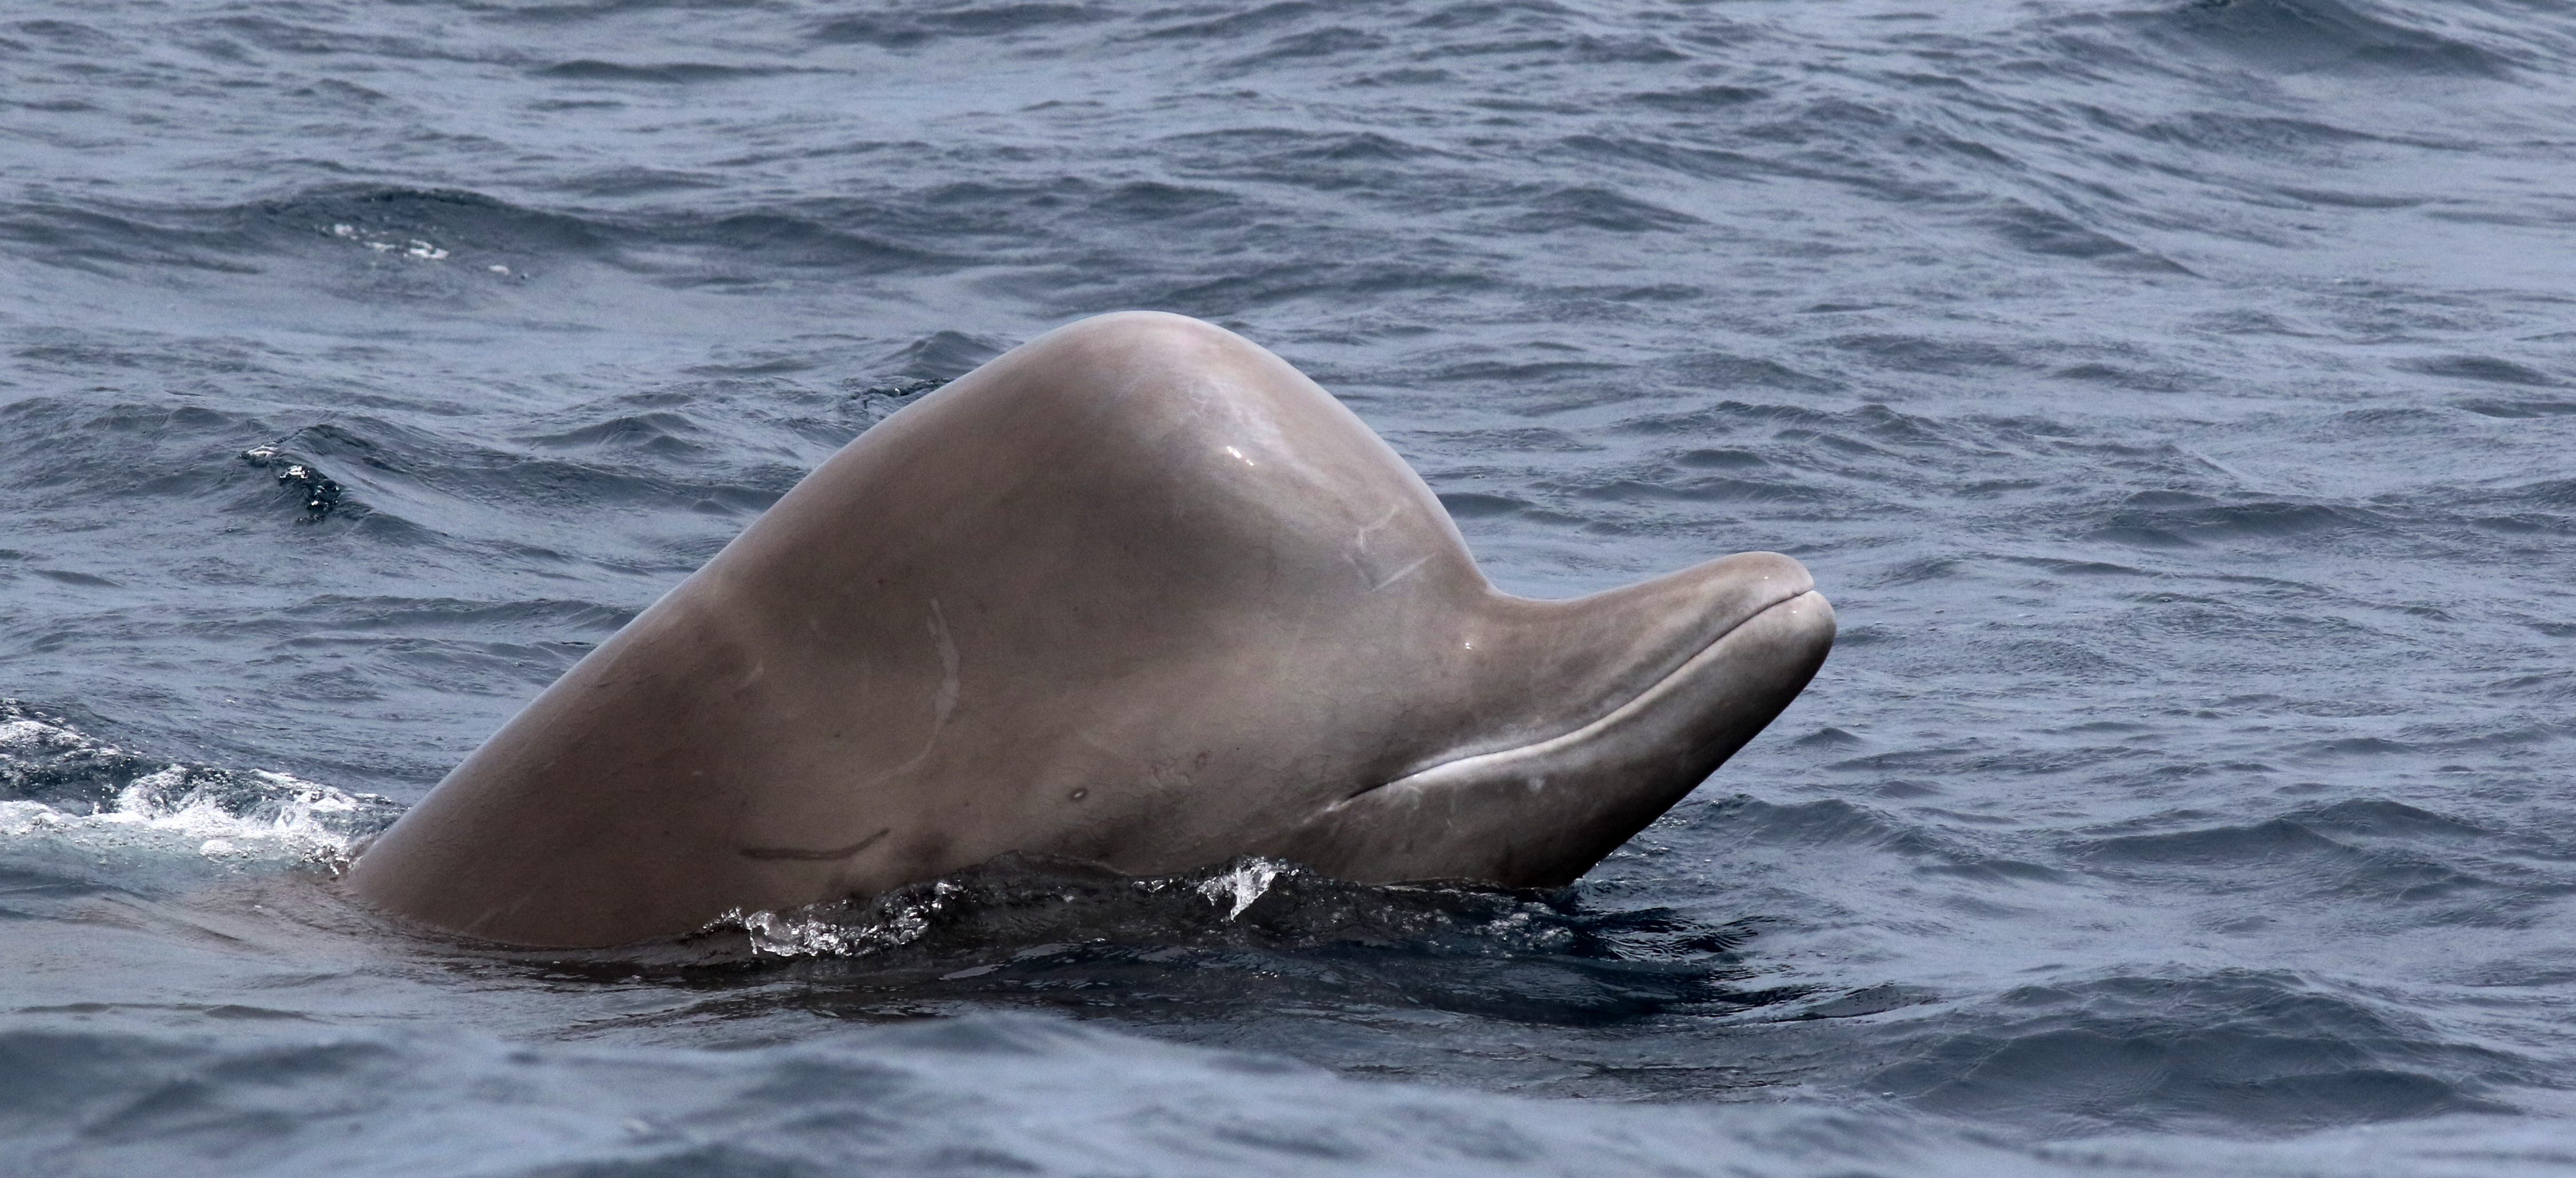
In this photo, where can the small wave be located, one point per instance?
(1525, 373)
(2238, 1051)
(1596, 207)
(1722, 370)
(1728, 417)
(2485, 368)
(908, 29)
(637, 181)
(1948, 357)
(1267, 16)
(941, 356)
(576, 11)
(2044, 657)
(1836, 826)
(439, 243)
(1324, 42)
(1699, 98)
(2042, 232)
(1721, 460)
(407, 475)
(413, 615)
(1326, 159)
(2169, 380)
(2291, 856)
(2381, 818)
(1687, 160)
(2167, 519)
(1700, 490)
(1477, 505)
(681, 72)
(659, 432)
(787, 239)
(2319, 35)
(2519, 409)
(375, 225)
(95, 241)
(395, 217)
(2274, 841)
(1155, 201)
(1830, 822)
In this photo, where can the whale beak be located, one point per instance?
(1741, 636)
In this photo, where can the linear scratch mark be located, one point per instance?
(815, 856)
(946, 701)
(1400, 574)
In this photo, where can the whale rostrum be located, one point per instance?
(1135, 592)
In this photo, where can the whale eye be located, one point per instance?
(1079, 794)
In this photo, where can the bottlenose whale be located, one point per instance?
(1135, 592)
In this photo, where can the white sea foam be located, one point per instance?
(59, 785)
(1235, 888)
(832, 930)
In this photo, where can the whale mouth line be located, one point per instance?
(1579, 731)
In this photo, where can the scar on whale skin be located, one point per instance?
(829, 856)
(1139, 563)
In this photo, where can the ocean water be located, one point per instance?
(2175, 398)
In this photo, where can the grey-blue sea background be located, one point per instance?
(2176, 399)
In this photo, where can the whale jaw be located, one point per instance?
(1541, 814)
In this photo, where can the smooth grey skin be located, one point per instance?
(1135, 592)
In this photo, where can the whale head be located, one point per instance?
(1136, 592)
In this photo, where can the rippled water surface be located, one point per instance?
(2176, 399)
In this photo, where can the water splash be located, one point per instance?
(1241, 884)
(61, 786)
(829, 930)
